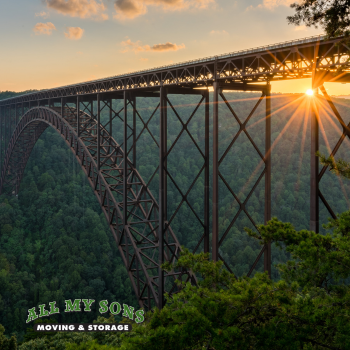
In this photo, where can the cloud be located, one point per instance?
(167, 47)
(143, 59)
(300, 28)
(44, 28)
(137, 47)
(74, 33)
(42, 14)
(79, 8)
(128, 9)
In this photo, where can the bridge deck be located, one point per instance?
(287, 60)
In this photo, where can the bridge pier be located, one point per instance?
(164, 151)
(266, 159)
(314, 163)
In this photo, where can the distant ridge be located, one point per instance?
(342, 96)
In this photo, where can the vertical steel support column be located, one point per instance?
(62, 112)
(98, 133)
(134, 131)
(125, 178)
(62, 107)
(110, 117)
(22, 112)
(314, 209)
(162, 189)
(206, 175)
(125, 165)
(215, 233)
(267, 253)
(78, 116)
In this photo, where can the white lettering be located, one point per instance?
(107, 327)
(40, 327)
(90, 327)
(113, 328)
(126, 327)
(71, 327)
(65, 327)
(48, 327)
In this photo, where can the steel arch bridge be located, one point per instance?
(140, 225)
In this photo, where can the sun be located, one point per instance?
(309, 92)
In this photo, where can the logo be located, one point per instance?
(114, 308)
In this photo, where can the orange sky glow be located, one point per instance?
(52, 43)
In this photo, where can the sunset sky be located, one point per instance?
(46, 44)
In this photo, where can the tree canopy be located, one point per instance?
(331, 15)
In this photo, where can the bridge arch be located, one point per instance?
(137, 241)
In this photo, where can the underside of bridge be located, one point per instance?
(140, 223)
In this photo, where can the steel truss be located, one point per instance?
(115, 181)
(265, 157)
(86, 114)
(316, 175)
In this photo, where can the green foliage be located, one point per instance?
(331, 15)
(308, 308)
(338, 167)
(55, 243)
(7, 343)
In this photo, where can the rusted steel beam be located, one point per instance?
(215, 201)
(162, 191)
(267, 216)
(314, 183)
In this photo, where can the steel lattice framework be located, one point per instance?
(140, 224)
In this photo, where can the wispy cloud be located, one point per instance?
(74, 33)
(42, 14)
(94, 9)
(300, 28)
(44, 28)
(128, 9)
(136, 47)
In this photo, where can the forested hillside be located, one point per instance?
(55, 243)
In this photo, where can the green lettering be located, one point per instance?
(87, 304)
(103, 306)
(139, 316)
(128, 311)
(111, 308)
(53, 308)
(75, 306)
(43, 312)
(31, 315)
